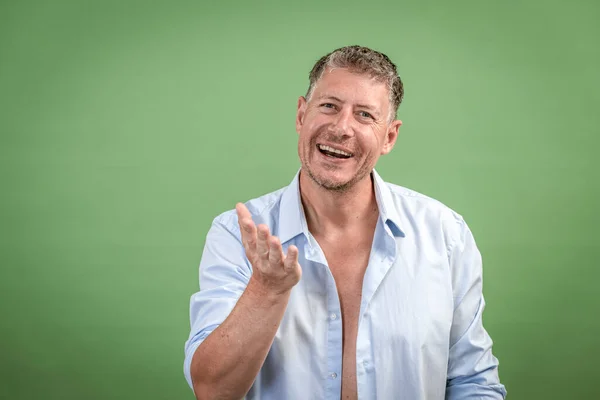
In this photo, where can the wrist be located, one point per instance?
(266, 294)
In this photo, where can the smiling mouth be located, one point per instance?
(331, 152)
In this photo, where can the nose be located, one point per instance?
(342, 124)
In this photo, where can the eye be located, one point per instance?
(327, 105)
(365, 114)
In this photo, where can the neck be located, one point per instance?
(328, 211)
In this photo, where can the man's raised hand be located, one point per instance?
(275, 272)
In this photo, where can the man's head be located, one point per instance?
(361, 60)
(350, 106)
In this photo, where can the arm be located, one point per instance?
(237, 312)
(472, 368)
(225, 365)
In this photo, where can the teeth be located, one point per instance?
(332, 150)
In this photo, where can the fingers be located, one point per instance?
(291, 260)
(275, 252)
(249, 238)
(242, 211)
(247, 229)
(262, 244)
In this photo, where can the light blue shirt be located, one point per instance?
(420, 332)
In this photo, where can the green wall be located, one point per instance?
(126, 127)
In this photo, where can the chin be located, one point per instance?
(331, 180)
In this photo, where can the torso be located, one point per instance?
(347, 259)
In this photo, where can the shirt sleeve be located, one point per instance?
(224, 275)
(472, 368)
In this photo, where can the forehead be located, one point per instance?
(351, 87)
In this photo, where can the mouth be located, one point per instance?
(333, 152)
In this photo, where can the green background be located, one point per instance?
(127, 127)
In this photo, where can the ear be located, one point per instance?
(391, 136)
(300, 113)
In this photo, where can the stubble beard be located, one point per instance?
(328, 184)
(331, 185)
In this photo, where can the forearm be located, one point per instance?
(226, 364)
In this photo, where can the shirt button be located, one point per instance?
(333, 375)
(332, 316)
(365, 363)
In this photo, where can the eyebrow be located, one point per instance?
(365, 106)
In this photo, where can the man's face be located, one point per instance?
(346, 112)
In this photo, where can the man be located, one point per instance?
(341, 285)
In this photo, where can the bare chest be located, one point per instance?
(348, 269)
(348, 264)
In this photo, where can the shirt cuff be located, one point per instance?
(189, 354)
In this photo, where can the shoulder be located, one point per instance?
(420, 213)
(413, 201)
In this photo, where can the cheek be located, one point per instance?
(304, 139)
(304, 144)
(310, 132)
(370, 147)
(378, 140)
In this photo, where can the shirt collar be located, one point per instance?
(292, 220)
(388, 210)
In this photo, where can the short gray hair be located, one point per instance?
(362, 60)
